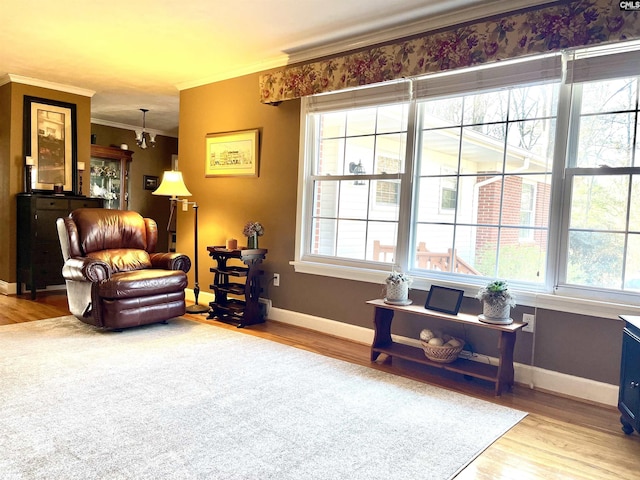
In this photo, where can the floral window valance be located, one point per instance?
(546, 28)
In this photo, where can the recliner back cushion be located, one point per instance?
(103, 229)
(123, 259)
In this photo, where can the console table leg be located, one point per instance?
(382, 336)
(506, 343)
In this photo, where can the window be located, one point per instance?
(495, 146)
(502, 171)
(601, 243)
(357, 160)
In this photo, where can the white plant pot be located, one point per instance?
(397, 292)
(499, 314)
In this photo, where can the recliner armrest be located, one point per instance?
(86, 270)
(171, 261)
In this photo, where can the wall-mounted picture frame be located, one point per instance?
(232, 154)
(443, 299)
(50, 139)
(150, 182)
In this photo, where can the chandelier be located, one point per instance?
(141, 135)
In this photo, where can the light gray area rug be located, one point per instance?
(193, 401)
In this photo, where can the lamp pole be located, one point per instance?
(173, 186)
(196, 308)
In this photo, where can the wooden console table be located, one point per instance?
(501, 375)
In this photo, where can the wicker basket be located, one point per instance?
(442, 354)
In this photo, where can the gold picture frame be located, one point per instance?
(232, 154)
(50, 139)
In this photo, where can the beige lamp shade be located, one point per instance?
(172, 185)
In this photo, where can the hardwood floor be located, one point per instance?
(561, 438)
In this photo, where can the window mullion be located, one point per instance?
(634, 158)
(560, 194)
(459, 170)
(405, 242)
(503, 174)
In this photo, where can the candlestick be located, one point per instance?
(27, 178)
(80, 170)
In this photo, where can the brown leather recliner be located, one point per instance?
(114, 279)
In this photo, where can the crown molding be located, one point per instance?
(417, 27)
(273, 62)
(34, 82)
(125, 126)
(297, 55)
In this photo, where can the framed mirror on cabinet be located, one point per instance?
(110, 176)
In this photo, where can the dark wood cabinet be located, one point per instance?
(39, 257)
(236, 285)
(629, 393)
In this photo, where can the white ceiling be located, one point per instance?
(139, 53)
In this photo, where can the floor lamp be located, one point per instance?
(173, 186)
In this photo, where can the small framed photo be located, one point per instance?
(232, 154)
(150, 182)
(446, 300)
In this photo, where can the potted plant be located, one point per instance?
(397, 288)
(497, 302)
(253, 230)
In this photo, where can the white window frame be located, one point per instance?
(594, 64)
(552, 295)
(379, 95)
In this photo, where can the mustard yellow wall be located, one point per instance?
(12, 158)
(226, 204)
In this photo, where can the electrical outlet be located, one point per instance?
(531, 322)
(276, 279)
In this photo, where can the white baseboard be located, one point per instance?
(12, 288)
(534, 377)
(568, 385)
(323, 325)
(7, 288)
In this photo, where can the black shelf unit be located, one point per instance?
(236, 287)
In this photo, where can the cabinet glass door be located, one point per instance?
(106, 181)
